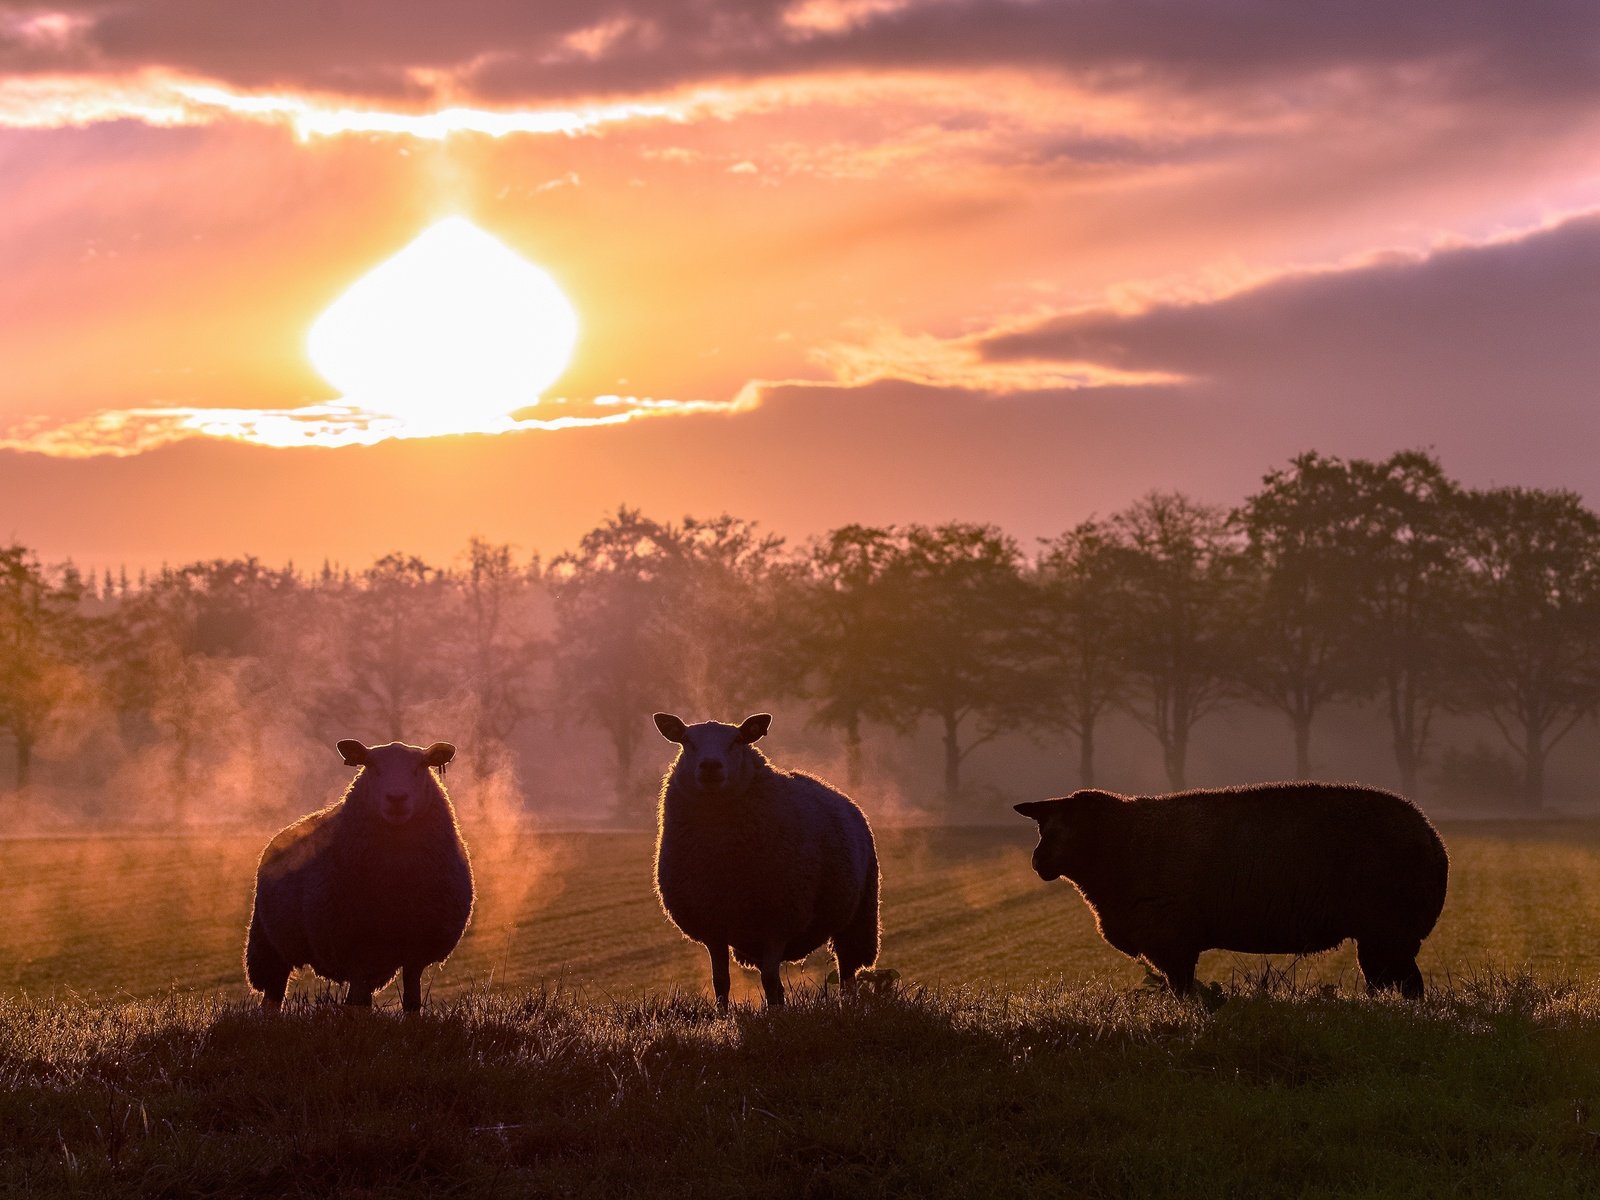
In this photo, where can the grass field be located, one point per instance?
(570, 1049)
(1490, 1088)
(134, 917)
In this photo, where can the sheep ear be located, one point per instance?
(755, 728)
(353, 752)
(671, 727)
(1037, 810)
(439, 753)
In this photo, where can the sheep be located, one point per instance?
(1276, 868)
(768, 864)
(374, 884)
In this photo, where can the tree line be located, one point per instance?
(1383, 582)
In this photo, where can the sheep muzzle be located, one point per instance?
(396, 807)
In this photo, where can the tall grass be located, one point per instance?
(1489, 1087)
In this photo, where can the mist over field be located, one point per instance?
(1356, 619)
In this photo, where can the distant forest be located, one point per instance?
(1384, 585)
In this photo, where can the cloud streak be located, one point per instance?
(501, 67)
(159, 99)
(123, 433)
(959, 363)
(416, 51)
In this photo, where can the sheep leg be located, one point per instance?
(719, 975)
(411, 989)
(1390, 966)
(265, 968)
(772, 978)
(856, 945)
(359, 996)
(1177, 967)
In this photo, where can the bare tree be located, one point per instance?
(1533, 574)
(958, 650)
(834, 618)
(1083, 596)
(1298, 614)
(497, 645)
(1407, 543)
(389, 645)
(725, 630)
(615, 638)
(1179, 621)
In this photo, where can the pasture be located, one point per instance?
(570, 1047)
(133, 917)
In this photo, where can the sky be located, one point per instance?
(830, 260)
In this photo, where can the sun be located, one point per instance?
(453, 334)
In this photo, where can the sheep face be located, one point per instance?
(717, 759)
(1068, 831)
(396, 781)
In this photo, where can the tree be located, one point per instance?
(40, 636)
(187, 653)
(1297, 652)
(615, 634)
(957, 647)
(834, 617)
(389, 645)
(724, 598)
(1533, 603)
(497, 646)
(1083, 594)
(1179, 621)
(1406, 541)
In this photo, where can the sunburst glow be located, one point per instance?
(451, 335)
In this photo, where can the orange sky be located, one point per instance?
(869, 259)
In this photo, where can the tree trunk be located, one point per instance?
(1533, 773)
(1176, 753)
(1403, 726)
(852, 754)
(1086, 755)
(1406, 759)
(24, 760)
(1302, 747)
(952, 761)
(628, 807)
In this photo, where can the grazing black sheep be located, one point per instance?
(768, 864)
(1278, 868)
(375, 884)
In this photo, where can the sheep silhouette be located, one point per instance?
(1280, 868)
(766, 864)
(376, 884)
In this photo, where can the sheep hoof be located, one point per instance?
(268, 1004)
